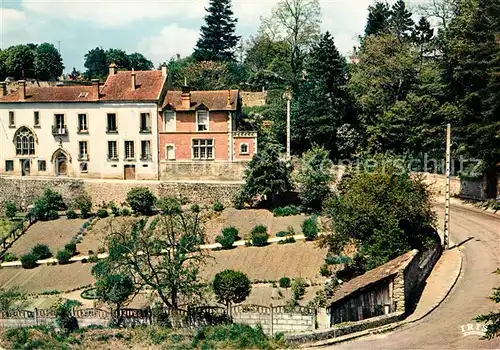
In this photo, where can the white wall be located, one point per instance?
(128, 124)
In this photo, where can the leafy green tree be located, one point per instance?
(47, 204)
(12, 299)
(217, 40)
(492, 319)
(206, 75)
(314, 178)
(141, 200)
(48, 62)
(10, 210)
(74, 75)
(118, 57)
(378, 18)
(401, 22)
(19, 62)
(64, 319)
(139, 62)
(382, 210)
(231, 287)
(83, 203)
(96, 63)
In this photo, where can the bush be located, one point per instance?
(324, 271)
(63, 257)
(10, 210)
(218, 206)
(125, 212)
(141, 200)
(298, 288)
(259, 236)
(45, 207)
(230, 231)
(282, 234)
(52, 215)
(41, 251)
(114, 209)
(71, 247)
(83, 203)
(285, 282)
(310, 228)
(28, 261)
(288, 239)
(102, 213)
(93, 259)
(231, 286)
(286, 211)
(228, 237)
(71, 214)
(8, 257)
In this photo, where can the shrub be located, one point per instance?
(298, 288)
(10, 210)
(141, 200)
(310, 228)
(71, 247)
(285, 282)
(288, 239)
(282, 234)
(230, 231)
(52, 215)
(286, 211)
(231, 287)
(125, 212)
(114, 209)
(93, 259)
(102, 213)
(324, 271)
(228, 237)
(259, 235)
(218, 206)
(28, 261)
(8, 257)
(45, 207)
(83, 202)
(63, 257)
(41, 251)
(71, 214)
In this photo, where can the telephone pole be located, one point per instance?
(288, 96)
(59, 46)
(446, 238)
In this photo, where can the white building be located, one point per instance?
(97, 131)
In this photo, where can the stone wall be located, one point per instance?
(199, 171)
(253, 99)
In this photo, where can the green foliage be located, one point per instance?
(228, 237)
(102, 213)
(10, 210)
(48, 62)
(232, 336)
(231, 287)
(83, 203)
(310, 228)
(12, 299)
(141, 200)
(8, 257)
(282, 234)
(401, 22)
(46, 206)
(378, 18)
(259, 236)
(41, 251)
(285, 282)
(96, 63)
(314, 178)
(63, 256)
(64, 319)
(71, 214)
(298, 288)
(71, 247)
(28, 261)
(492, 319)
(289, 210)
(114, 289)
(218, 206)
(52, 215)
(125, 212)
(205, 75)
(114, 209)
(325, 271)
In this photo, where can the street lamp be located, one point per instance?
(288, 96)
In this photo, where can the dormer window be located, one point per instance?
(202, 120)
(83, 94)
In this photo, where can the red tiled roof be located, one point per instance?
(80, 93)
(372, 276)
(118, 87)
(214, 100)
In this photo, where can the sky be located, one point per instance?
(159, 29)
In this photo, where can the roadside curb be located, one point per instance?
(393, 326)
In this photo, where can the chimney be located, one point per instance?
(228, 98)
(113, 68)
(186, 96)
(95, 84)
(22, 90)
(3, 88)
(164, 70)
(133, 80)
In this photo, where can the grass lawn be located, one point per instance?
(5, 226)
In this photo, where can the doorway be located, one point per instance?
(61, 165)
(129, 172)
(25, 167)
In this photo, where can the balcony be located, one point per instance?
(146, 157)
(83, 131)
(84, 157)
(58, 130)
(111, 130)
(145, 129)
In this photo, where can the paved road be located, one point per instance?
(478, 234)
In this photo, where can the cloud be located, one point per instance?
(171, 40)
(11, 20)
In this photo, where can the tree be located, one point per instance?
(48, 62)
(217, 40)
(19, 62)
(231, 287)
(49, 202)
(10, 210)
(492, 319)
(401, 22)
(64, 319)
(164, 256)
(378, 19)
(74, 75)
(118, 57)
(422, 36)
(12, 299)
(314, 178)
(206, 75)
(297, 22)
(382, 210)
(267, 176)
(139, 62)
(96, 63)
(83, 203)
(141, 200)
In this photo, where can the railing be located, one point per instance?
(145, 129)
(59, 130)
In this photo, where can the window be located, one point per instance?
(84, 167)
(59, 125)
(145, 150)
(12, 119)
(170, 152)
(82, 123)
(169, 121)
(25, 142)
(244, 148)
(145, 122)
(203, 149)
(202, 120)
(83, 154)
(111, 127)
(9, 165)
(36, 118)
(42, 165)
(112, 150)
(129, 150)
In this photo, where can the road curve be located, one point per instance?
(478, 234)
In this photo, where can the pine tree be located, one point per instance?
(217, 40)
(401, 22)
(422, 36)
(378, 18)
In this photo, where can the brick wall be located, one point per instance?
(202, 171)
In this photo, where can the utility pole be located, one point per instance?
(446, 237)
(288, 126)
(59, 46)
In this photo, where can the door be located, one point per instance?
(25, 167)
(129, 172)
(61, 165)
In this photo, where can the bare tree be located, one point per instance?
(441, 10)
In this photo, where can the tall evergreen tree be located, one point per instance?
(401, 22)
(378, 18)
(217, 40)
(422, 36)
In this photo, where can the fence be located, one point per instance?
(272, 319)
(17, 231)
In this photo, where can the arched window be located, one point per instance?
(25, 142)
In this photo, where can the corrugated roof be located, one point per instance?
(80, 93)
(118, 87)
(372, 276)
(215, 100)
